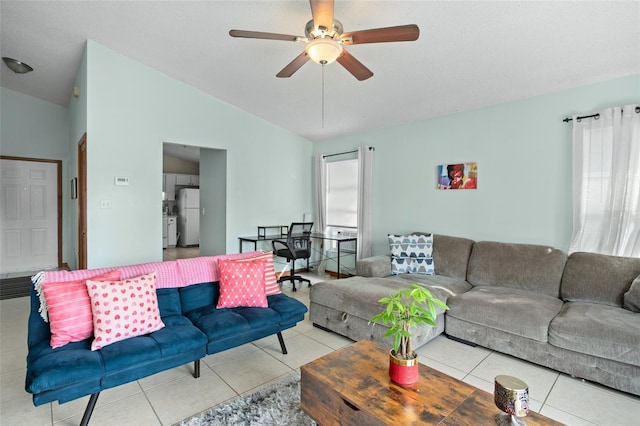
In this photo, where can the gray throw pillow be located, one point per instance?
(632, 297)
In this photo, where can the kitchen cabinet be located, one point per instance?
(173, 181)
(172, 231)
(187, 180)
(169, 186)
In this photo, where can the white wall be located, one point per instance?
(33, 128)
(523, 150)
(131, 110)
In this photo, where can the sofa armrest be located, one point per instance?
(376, 266)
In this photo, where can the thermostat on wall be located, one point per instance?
(121, 181)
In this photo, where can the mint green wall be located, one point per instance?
(33, 128)
(131, 111)
(523, 150)
(77, 128)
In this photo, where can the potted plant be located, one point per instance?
(409, 307)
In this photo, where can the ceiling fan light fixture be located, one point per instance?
(323, 50)
(17, 66)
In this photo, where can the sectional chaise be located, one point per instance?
(578, 314)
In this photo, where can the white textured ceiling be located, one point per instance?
(470, 54)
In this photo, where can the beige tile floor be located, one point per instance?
(169, 397)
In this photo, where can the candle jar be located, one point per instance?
(511, 395)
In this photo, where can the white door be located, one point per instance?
(28, 215)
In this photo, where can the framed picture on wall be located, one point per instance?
(458, 176)
(74, 188)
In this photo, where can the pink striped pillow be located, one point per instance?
(271, 286)
(69, 308)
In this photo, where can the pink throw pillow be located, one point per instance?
(242, 284)
(69, 307)
(271, 286)
(123, 309)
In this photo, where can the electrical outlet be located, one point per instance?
(105, 204)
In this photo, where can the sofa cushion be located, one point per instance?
(50, 368)
(359, 296)
(524, 313)
(517, 266)
(131, 352)
(290, 310)
(178, 336)
(374, 266)
(69, 309)
(443, 287)
(197, 296)
(599, 278)
(218, 324)
(600, 330)
(123, 309)
(242, 284)
(632, 297)
(451, 255)
(168, 301)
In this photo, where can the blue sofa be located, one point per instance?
(194, 327)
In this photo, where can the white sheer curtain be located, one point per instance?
(606, 182)
(321, 205)
(365, 163)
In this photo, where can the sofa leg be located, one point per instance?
(196, 368)
(89, 410)
(282, 345)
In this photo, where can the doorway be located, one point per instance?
(211, 166)
(30, 213)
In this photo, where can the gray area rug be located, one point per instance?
(276, 404)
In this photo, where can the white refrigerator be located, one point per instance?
(188, 200)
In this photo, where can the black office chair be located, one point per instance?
(297, 246)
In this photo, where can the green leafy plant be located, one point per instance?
(407, 308)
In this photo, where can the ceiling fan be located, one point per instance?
(325, 40)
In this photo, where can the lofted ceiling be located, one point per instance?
(470, 54)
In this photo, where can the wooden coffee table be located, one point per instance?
(351, 386)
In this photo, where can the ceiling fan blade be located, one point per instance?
(322, 11)
(382, 35)
(293, 66)
(354, 66)
(261, 35)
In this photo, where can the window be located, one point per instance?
(342, 194)
(606, 182)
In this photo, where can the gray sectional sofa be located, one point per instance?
(577, 314)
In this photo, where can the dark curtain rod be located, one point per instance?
(596, 116)
(346, 152)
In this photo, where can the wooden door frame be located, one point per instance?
(82, 202)
(58, 164)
